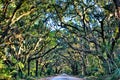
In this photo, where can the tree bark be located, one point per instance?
(28, 68)
(36, 73)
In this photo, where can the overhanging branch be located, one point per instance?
(25, 14)
(43, 54)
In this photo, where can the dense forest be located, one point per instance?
(41, 38)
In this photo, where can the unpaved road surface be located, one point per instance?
(62, 77)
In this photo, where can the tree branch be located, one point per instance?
(25, 14)
(43, 54)
(9, 22)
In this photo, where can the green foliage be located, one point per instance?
(20, 65)
(67, 69)
(109, 7)
(30, 78)
(85, 31)
(4, 71)
(116, 75)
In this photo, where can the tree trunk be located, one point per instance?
(84, 71)
(36, 73)
(20, 73)
(28, 68)
(74, 68)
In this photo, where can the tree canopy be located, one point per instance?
(47, 37)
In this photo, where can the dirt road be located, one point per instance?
(62, 77)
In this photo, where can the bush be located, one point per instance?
(4, 72)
